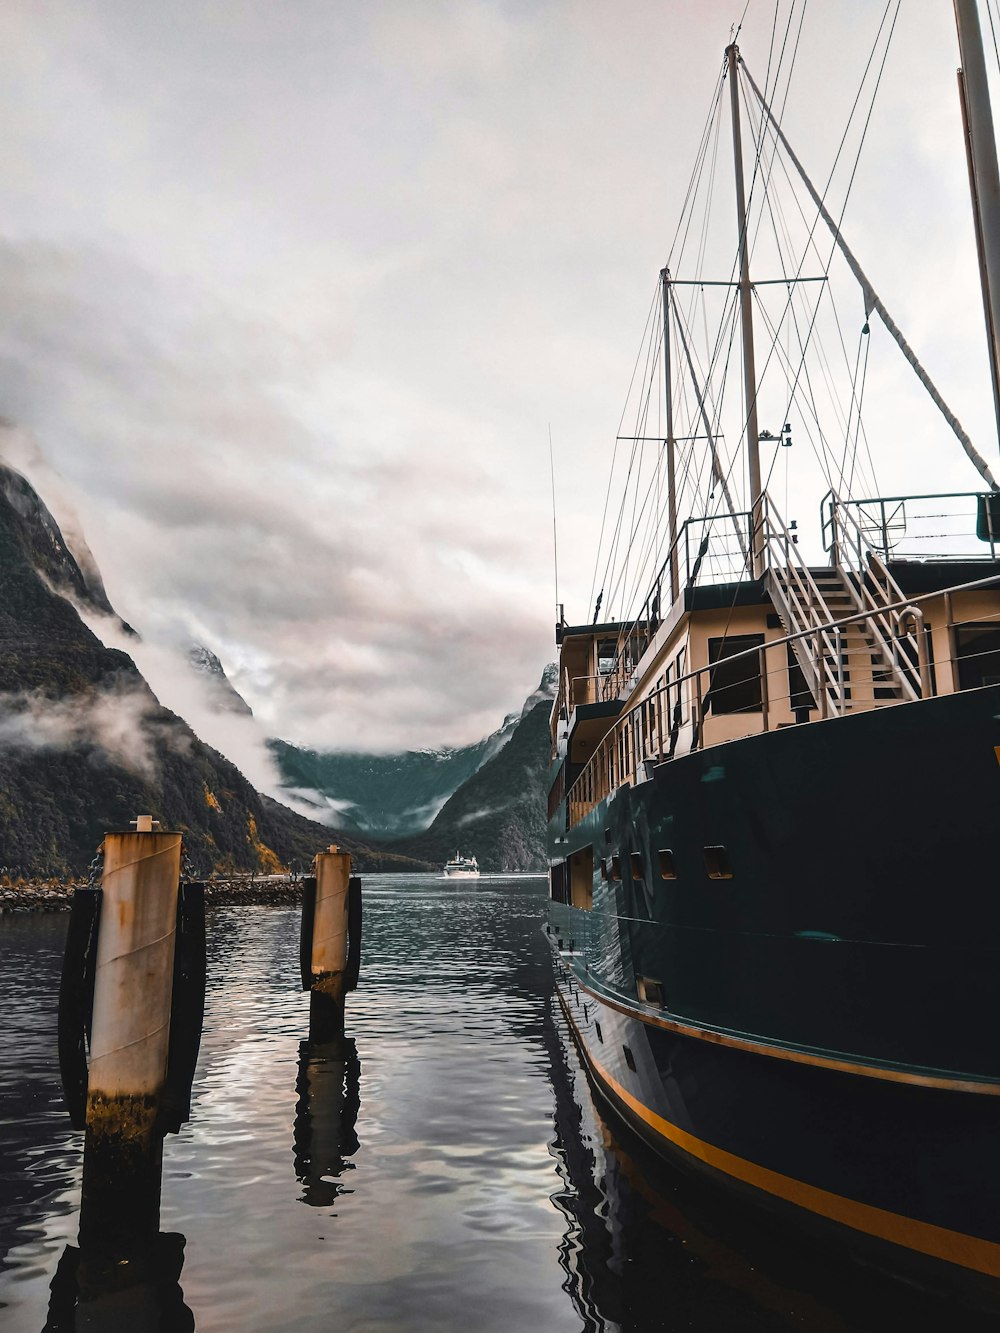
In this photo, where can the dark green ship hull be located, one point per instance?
(823, 1024)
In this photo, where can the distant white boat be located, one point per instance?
(462, 867)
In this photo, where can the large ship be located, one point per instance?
(775, 783)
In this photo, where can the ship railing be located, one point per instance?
(669, 722)
(949, 525)
(706, 551)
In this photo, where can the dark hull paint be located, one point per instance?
(869, 1162)
(860, 927)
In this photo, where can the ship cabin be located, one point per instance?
(907, 607)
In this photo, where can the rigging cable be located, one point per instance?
(607, 493)
(874, 303)
(822, 210)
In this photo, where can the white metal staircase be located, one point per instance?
(878, 656)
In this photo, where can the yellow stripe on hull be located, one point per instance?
(982, 1256)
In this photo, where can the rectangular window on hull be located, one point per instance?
(635, 864)
(734, 685)
(616, 867)
(717, 863)
(667, 868)
(650, 991)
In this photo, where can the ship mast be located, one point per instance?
(668, 389)
(984, 176)
(746, 325)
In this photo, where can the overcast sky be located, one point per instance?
(290, 294)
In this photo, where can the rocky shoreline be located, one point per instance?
(237, 891)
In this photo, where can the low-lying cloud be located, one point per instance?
(123, 721)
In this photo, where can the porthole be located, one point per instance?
(629, 1058)
(604, 868)
(600, 1034)
(717, 863)
(635, 861)
(667, 868)
(616, 867)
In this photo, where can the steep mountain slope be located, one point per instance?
(84, 743)
(498, 814)
(386, 795)
(392, 795)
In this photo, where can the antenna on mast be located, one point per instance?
(555, 542)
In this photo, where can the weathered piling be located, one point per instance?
(130, 1030)
(331, 941)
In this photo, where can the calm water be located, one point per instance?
(447, 1170)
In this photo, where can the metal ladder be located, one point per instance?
(874, 660)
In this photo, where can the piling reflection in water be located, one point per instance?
(105, 1292)
(326, 1115)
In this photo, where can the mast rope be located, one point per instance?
(871, 298)
(826, 267)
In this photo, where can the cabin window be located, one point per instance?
(667, 868)
(650, 991)
(978, 650)
(581, 878)
(635, 863)
(557, 882)
(734, 686)
(717, 863)
(604, 868)
(600, 1034)
(607, 650)
(629, 1058)
(616, 867)
(799, 693)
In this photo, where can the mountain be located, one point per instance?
(383, 796)
(498, 814)
(85, 745)
(224, 694)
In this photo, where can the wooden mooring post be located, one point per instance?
(330, 952)
(130, 1018)
(130, 1028)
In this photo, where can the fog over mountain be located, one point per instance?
(86, 745)
(393, 796)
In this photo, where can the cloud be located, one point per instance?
(474, 815)
(122, 721)
(290, 294)
(372, 600)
